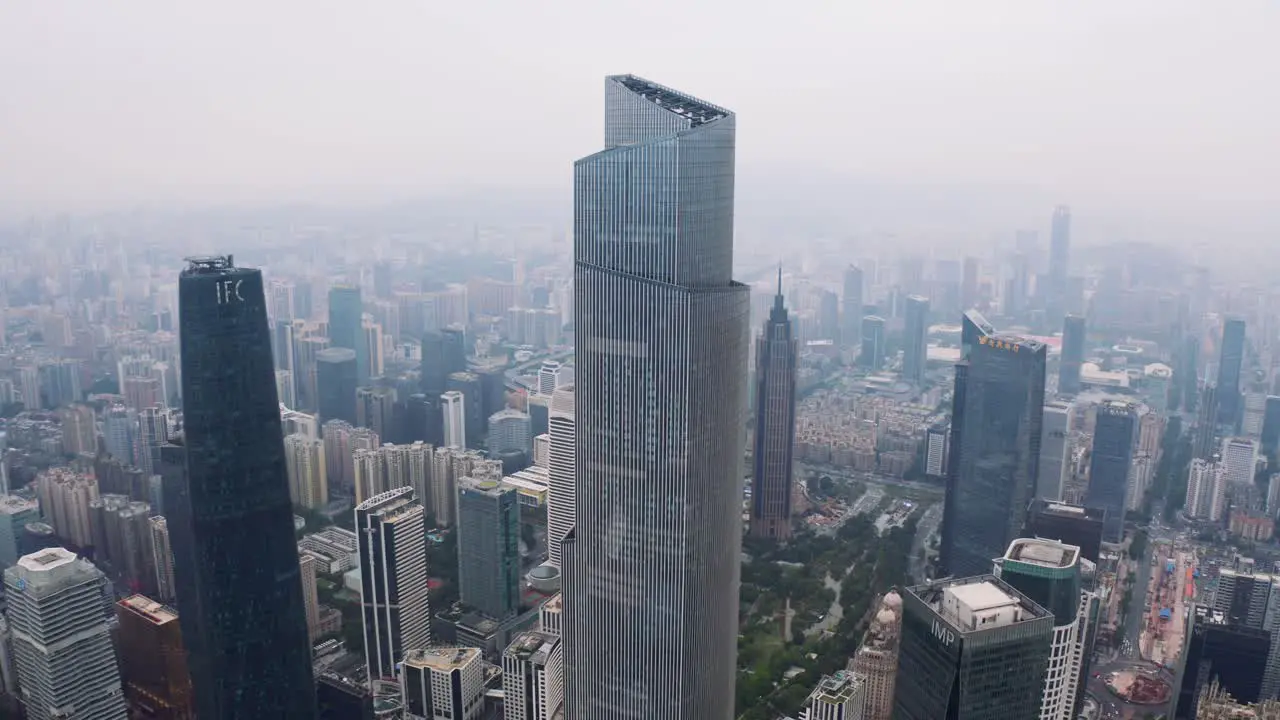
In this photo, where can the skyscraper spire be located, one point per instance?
(779, 312)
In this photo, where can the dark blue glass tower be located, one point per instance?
(1073, 336)
(238, 584)
(346, 326)
(1109, 464)
(777, 351)
(336, 379)
(994, 466)
(1230, 402)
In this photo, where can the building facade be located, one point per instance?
(777, 355)
(394, 595)
(153, 660)
(1109, 464)
(489, 547)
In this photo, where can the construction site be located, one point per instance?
(1170, 593)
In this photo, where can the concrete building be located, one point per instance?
(560, 474)
(1206, 490)
(15, 514)
(64, 500)
(305, 463)
(533, 677)
(489, 547)
(1240, 458)
(509, 430)
(455, 419)
(152, 659)
(57, 611)
(1054, 430)
(310, 601)
(443, 683)
(838, 697)
(393, 580)
(876, 660)
(162, 558)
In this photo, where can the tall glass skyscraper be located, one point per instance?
(1109, 464)
(1073, 337)
(777, 352)
(346, 326)
(994, 465)
(652, 564)
(1232, 358)
(238, 583)
(915, 339)
(1059, 262)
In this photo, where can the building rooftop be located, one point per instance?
(157, 613)
(206, 264)
(978, 604)
(441, 659)
(533, 647)
(1045, 553)
(697, 112)
(47, 560)
(12, 505)
(836, 689)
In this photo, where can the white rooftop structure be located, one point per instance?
(981, 606)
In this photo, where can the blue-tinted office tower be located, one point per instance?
(336, 381)
(1059, 262)
(993, 468)
(1230, 403)
(915, 339)
(346, 326)
(651, 601)
(443, 354)
(238, 585)
(1109, 464)
(1271, 425)
(1073, 337)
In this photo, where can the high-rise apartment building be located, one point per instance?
(305, 462)
(153, 431)
(1113, 438)
(57, 612)
(65, 496)
(509, 431)
(1271, 426)
(15, 514)
(393, 580)
(971, 648)
(455, 419)
(489, 547)
(1204, 441)
(346, 328)
(560, 474)
(162, 558)
(1230, 362)
(662, 337)
(79, 433)
(336, 379)
(873, 343)
(375, 409)
(915, 339)
(230, 519)
(533, 677)
(851, 307)
(1073, 340)
(1054, 448)
(1240, 459)
(152, 659)
(777, 358)
(994, 462)
(876, 659)
(443, 683)
(310, 594)
(1206, 490)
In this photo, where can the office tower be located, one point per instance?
(1254, 414)
(285, 389)
(153, 431)
(443, 353)
(493, 388)
(548, 377)
(382, 279)
(231, 523)
(455, 419)
(393, 579)
(371, 337)
(283, 346)
(1059, 262)
(133, 561)
(542, 451)
(15, 514)
(468, 384)
(1206, 432)
(64, 500)
(969, 284)
(1110, 462)
(120, 433)
(1048, 573)
(560, 472)
(489, 547)
(57, 612)
(872, 355)
(876, 659)
(336, 378)
(971, 648)
(305, 376)
(533, 677)
(305, 463)
(79, 434)
(1217, 650)
(1240, 459)
(915, 340)
(1053, 450)
(443, 683)
(935, 460)
(1230, 404)
(828, 315)
(162, 558)
(152, 659)
(777, 356)
(662, 349)
(838, 697)
(59, 383)
(369, 474)
(1246, 598)
(994, 461)
(509, 430)
(851, 306)
(1070, 525)
(375, 409)
(310, 599)
(1073, 340)
(1206, 490)
(346, 327)
(1271, 426)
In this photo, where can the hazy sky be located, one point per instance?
(1168, 109)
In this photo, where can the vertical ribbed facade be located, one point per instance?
(237, 578)
(651, 602)
(777, 352)
(393, 580)
(560, 491)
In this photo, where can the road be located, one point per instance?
(1133, 621)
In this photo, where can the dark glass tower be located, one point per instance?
(1109, 464)
(872, 356)
(1229, 364)
(1204, 444)
(1073, 335)
(443, 353)
(236, 562)
(1070, 524)
(994, 465)
(651, 606)
(1215, 649)
(915, 343)
(489, 547)
(336, 384)
(851, 307)
(346, 326)
(971, 648)
(1271, 426)
(775, 433)
(1059, 262)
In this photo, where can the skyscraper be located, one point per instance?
(1204, 445)
(1230, 403)
(57, 611)
(305, 463)
(662, 337)
(336, 378)
(152, 658)
(971, 648)
(851, 307)
(533, 676)
(872, 355)
(1053, 450)
(1069, 524)
(1073, 338)
(1271, 426)
(489, 547)
(560, 490)
(230, 520)
(393, 580)
(1059, 262)
(455, 419)
(346, 327)
(1217, 649)
(777, 354)
(915, 339)
(838, 697)
(994, 462)
(1109, 464)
